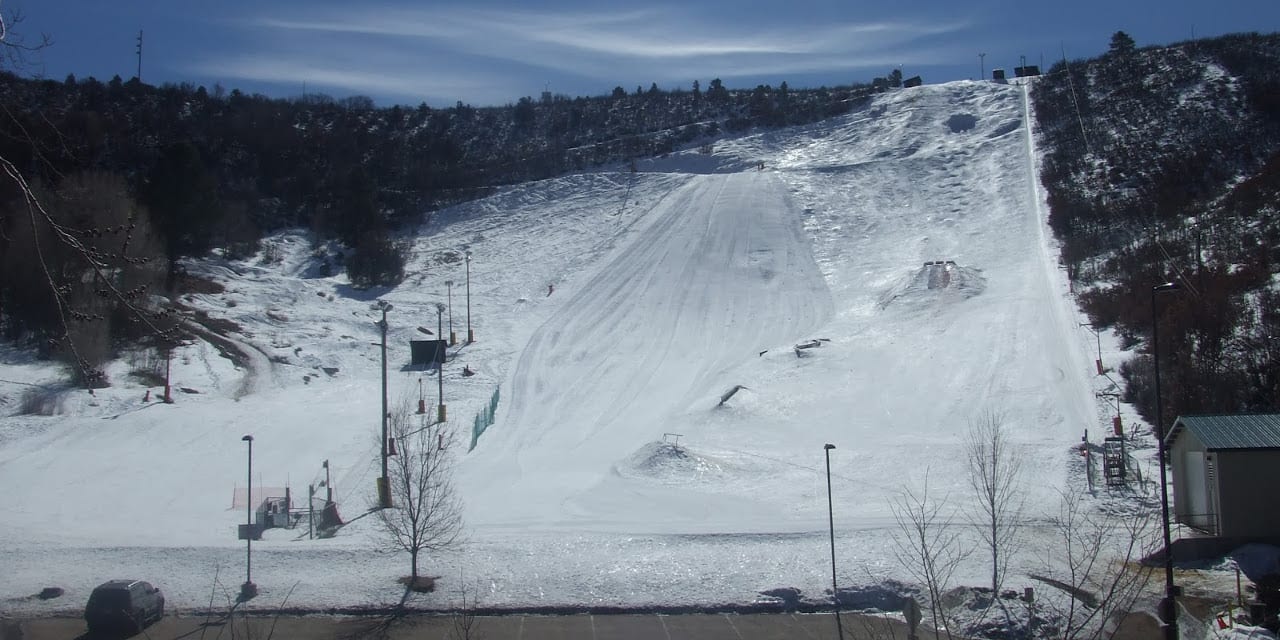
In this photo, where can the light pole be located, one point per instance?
(440, 411)
(471, 337)
(248, 589)
(384, 487)
(452, 338)
(1169, 605)
(168, 358)
(831, 522)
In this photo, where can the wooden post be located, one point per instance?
(311, 512)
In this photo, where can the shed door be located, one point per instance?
(1197, 514)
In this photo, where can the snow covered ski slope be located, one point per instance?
(902, 245)
(721, 271)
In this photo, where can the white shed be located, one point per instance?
(1225, 472)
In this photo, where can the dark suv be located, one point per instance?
(124, 605)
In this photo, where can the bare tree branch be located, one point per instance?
(427, 514)
(929, 549)
(1095, 563)
(995, 474)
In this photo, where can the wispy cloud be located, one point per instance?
(455, 51)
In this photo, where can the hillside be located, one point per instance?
(144, 176)
(611, 309)
(1163, 164)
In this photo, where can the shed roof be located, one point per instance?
(1248, 431)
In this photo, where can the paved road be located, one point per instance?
(590, 627)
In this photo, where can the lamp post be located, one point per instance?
(248, 589)
(384, 488)
(831, 522)
(471, 337)
(452, 338)
(440, 411)
(1169, 605)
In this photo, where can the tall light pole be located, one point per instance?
(452, 338)
(1169, 605)
(440, 411)
(831, 522)
(248, 589)
(384, 487)
(471, 337)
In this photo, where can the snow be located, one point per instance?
(671, 285)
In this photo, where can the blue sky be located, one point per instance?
(487, 53)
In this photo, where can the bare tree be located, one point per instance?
(72, 255)
(1095, 564)
(426, 514)
(464, 619)
(994, 474)
(929, 548)
(14, 48)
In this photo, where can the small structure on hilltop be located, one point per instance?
(1224, 470)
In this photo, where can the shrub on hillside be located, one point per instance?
(376, 260)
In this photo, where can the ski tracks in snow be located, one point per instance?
(723, 271)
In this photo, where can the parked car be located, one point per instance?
(126, 605)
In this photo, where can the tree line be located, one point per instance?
(1163, 164)
(129, 179)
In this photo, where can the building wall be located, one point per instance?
(1177, 453)
(1248, 500)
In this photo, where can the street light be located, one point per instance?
(384, 487)
(440, 412)
(1169, 605)
(831, 522)
(248, 589)
(471, 336)
(452, 338)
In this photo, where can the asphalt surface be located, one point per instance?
(729, 626)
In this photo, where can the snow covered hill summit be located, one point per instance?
(904, 245)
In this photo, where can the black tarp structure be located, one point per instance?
(427, 353)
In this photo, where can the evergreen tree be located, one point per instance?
(182, 196)
(1122, 44)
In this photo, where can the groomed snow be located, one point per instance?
(670, 286)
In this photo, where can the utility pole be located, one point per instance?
(453, 339)
(1168, 604)
(831, 522)
(311, 511)
(384, 484)
(139, 55)
(471, 337)
(248, 590)
(444, 352)
(168, 358)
